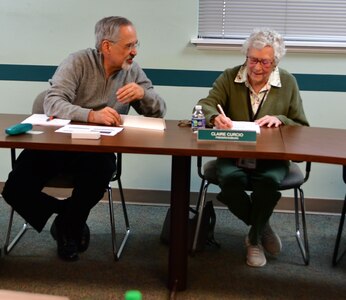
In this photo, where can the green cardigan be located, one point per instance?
(283, 102)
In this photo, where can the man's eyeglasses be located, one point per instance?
(264, 62)
(130, 46)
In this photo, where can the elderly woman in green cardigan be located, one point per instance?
(262, 92)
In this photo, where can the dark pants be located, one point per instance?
(254, 209)
(91, 173)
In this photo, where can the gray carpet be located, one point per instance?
(33, 265)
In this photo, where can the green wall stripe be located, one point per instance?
(184, 78)
(318, 82)
(26, 72)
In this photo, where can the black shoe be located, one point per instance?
(67, 247)
(84, 240)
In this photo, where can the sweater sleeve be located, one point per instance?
(59, 100)
(295, 114)
(152, 104)
(217, 95)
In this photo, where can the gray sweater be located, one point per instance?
(79, 85)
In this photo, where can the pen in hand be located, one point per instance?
(223, 122)
(220, 110)
(50, 118)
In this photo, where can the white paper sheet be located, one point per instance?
(248, 126)
(42, 119)
(143, 122)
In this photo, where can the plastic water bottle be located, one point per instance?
(198, 119)
(133, 295)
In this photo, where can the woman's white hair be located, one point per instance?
(263, 37)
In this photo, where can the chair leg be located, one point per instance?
(117, 252)
(302, 240)
(200, 207)
(336, 259)
(10, 245)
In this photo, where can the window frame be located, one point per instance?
(235, 41)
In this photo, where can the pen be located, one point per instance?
(102, 131)
(220, 110)
(50, 118)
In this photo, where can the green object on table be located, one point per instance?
(133, 295)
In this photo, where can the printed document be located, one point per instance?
(103, 130)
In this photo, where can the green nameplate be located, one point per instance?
(226, 135)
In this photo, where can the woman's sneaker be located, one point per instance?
(271, 241)
(255, 255)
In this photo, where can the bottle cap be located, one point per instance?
(133, 295)
(198, 106)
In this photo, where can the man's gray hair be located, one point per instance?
(108, 29)
(261, 38)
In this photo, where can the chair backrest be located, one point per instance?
(37, 106)
(61, 180)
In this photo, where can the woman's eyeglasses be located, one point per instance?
(264, 62)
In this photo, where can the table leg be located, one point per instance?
(180, 200)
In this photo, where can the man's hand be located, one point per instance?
(129, 92)
(268, 121)
(107, 116)
(222, 122)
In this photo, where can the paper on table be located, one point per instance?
(143, 122)
(42, 119)
(103, 130)
(247, 126)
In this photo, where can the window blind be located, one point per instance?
(303, 20)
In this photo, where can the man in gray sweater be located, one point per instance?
(91, 85)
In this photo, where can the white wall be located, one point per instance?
(43, 32)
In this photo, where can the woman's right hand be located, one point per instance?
(222, 122)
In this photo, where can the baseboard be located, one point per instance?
(156, 197)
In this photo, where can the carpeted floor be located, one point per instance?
(33, 265)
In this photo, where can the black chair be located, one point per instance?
(294, 180)
(65, 181)
(337, 258)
